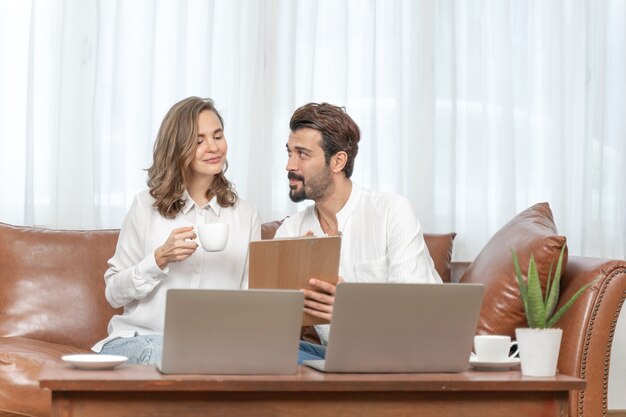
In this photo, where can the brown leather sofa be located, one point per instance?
(52, 303)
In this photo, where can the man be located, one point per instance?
(382, 239)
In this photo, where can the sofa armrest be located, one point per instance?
(588, 328)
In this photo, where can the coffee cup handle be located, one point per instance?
(516, 353)
(197, 239)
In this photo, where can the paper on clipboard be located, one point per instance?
(289, 263)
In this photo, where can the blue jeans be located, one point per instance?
(139, 349)
(309, 351)
(145, 350)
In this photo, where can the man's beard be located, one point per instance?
(316, 189)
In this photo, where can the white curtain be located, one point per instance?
(474, 110)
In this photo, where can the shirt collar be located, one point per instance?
(189, 204)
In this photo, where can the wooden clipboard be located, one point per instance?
(290, 263)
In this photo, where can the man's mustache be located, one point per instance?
(293, 176)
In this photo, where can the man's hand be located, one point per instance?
(319, 301)
(178, 247)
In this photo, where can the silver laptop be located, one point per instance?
(231, 331)
(386, 328)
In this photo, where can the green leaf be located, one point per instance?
(545, 299)
(539, 310)
(536, 310)
(520, 280)
(554, 319)
(554, 291)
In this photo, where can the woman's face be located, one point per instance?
(211, 147)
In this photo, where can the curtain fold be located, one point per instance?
(473, 110)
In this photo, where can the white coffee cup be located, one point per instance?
(212, 236)
(494, 348)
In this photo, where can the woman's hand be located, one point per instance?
(319, 301)
(178, 247)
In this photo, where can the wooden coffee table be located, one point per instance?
(133, 390)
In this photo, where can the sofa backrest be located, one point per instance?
(52, 285)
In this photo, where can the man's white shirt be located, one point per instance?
(381, 240)
(134, 280)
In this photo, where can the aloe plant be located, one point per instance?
(539, 309)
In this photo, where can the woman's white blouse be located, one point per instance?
(135, 282)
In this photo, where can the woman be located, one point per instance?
(156, 250)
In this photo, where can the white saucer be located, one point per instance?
(494, 366)
(94, 361)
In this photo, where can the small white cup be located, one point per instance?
(212, 236)
(494, 348)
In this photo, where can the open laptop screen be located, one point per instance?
(383, 327)
(231, 331)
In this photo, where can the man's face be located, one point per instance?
(309, 176)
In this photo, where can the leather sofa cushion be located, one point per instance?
(439, 246)
(20, 363)
(530, 232)
(268, 230)
(52, 286)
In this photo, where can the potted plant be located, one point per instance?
(540, 343)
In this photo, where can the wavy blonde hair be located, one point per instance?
(174, 150)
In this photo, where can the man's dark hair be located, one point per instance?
(339, 132)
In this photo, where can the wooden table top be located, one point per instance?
(63, 377)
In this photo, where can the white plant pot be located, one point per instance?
(539, 350)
